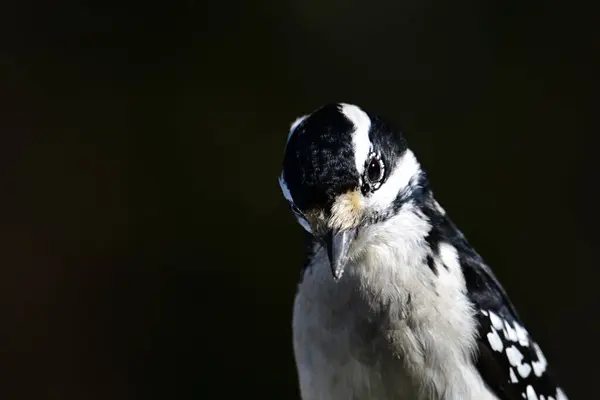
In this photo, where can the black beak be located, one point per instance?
(338, 243)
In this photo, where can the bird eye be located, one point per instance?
(374, 172)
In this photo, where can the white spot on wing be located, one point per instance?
(531, 395)
(513, 377)
(539, 367)
(406, 167)
(484, 312)
(515, 357)
(560, 395)
(495, 341)
(360, 136)
(496, 321)
(510, 333)
(522, 335)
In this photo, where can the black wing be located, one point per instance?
(509, 361)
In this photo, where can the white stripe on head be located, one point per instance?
(398, 180)
(288, 197)
(294, 125)
(360, 136)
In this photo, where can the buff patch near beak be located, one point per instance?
(347, 210)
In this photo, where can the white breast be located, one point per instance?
(390, 328)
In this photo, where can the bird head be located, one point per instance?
(345, 169)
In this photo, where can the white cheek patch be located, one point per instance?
(360, 136)
(288, 196)
(398, 180)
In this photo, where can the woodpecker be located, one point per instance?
(393, 302)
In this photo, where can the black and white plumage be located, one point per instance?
(393, 302)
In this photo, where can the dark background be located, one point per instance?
(146, 249)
